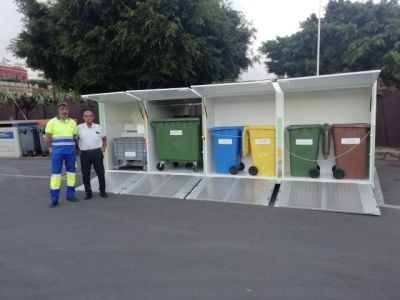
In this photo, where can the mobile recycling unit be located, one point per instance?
(234, 112)
(236, 142)
(171, 153)
(328, 135)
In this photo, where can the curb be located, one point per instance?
(387, 154)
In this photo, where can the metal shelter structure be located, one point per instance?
(337, 98)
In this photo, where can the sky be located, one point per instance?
(271, 18)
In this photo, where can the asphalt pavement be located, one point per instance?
(129, 247)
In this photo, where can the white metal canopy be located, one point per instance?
(111, 97)
(234, 89)
(164, 94)
(326, 82)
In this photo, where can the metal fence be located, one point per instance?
(76, 110)
(388, 120)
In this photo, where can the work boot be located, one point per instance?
(53, 204)
(72, 199)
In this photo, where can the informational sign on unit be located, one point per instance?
(140, 128)
(263, 141)
(130, 154)
(6, 135)
(304, 142)
(351, 141)
(225, 141)
(175, 132)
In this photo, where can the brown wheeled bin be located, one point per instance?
(353, 164)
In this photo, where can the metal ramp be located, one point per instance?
(159, 185)
(336, 197)
(237, 190)
(116, 182)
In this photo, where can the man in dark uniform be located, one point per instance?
(92, 145)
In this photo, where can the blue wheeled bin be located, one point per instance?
(228, 149)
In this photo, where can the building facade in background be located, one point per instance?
(11, 72)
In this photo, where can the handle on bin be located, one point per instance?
(245, 142)
(327, 140)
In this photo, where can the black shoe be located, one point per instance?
(103, 195)
(88, 196)
(53, 204)
(72, 199)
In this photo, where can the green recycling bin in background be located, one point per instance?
(178, 140)
(304, 148)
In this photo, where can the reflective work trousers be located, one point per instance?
(57, 161)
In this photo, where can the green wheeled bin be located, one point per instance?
(178, 140)
(304, 148)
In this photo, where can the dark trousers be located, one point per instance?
(95, 158)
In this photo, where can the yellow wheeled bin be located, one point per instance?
(260, 141)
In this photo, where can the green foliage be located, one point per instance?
(16, 80)
(37, 100)
(355, 36)
(42, 84)
(109, 45)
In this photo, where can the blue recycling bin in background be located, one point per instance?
(228, 149)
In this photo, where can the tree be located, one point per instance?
(111, 45)
(354, 37)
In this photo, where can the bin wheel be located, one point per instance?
(333, 168)
(253, 171)
(242, 166)
(34, 153)
(194, 168)
(338, 174)
(319, 168)
(175, 164)
(314, 173)
(25, 153)
(116, 167)
(44, 153)
(233, 170)
(160, 167)
(188, 165)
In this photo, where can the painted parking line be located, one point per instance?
(390, 206)
(32, 176)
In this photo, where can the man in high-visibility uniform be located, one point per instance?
(60, 136)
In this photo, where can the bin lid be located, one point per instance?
(352, 125)
(176, 120)
(24, 124)
(226, 128)
(260, 127)
(305, 126)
